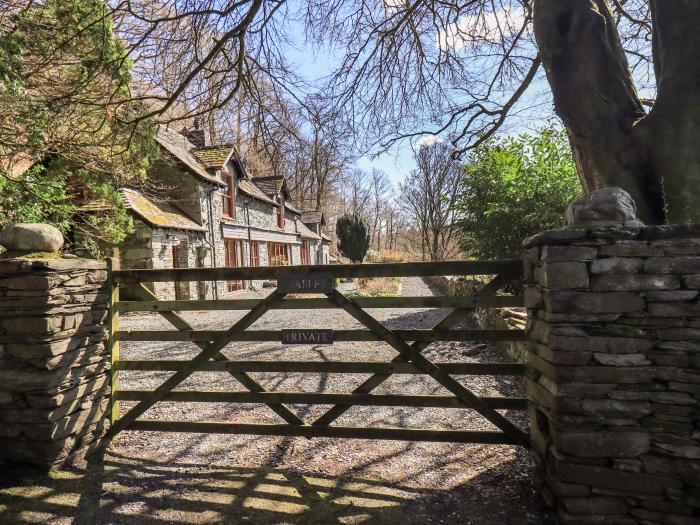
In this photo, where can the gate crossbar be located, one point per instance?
(409, 360)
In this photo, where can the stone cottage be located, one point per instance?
(315, 221)
(212, 213)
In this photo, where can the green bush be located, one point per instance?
(512, 188)
(352, 230)
(44, 194)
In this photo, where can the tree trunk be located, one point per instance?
(595, 96)
(655, 158)
(672, 128)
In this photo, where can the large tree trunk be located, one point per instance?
(595, 96)
(655, 158)
(672, 128)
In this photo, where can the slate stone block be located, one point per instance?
(637, 283)
(603, 444)
(683, 265)
(672, 296)
(598, 476)
(568, 253)
(595, 505)
(562, 275)
(593, 303)
(616, 265)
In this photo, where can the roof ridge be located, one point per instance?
(268, 177)
(215, 146)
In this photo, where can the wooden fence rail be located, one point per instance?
(418, 269)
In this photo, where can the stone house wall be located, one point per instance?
(261, 214)
(151, 248)
(188, 249)
(614, 372)
(54, 366)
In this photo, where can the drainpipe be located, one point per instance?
(213, 240)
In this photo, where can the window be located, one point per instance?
(305, 252)
(255, 253)
(229, 195)
(277, 254)
(233, 253)
(280, 213)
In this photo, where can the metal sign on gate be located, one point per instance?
(306, 337)
(306, 283)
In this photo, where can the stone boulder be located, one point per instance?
(604, 207)
(27, 237)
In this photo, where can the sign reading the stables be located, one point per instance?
(305, 283)
(307, 337)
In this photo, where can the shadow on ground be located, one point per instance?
(125, 488)
(114, 489)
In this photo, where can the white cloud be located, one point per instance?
(428, 140)
(484, 27)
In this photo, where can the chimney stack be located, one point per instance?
(196, 135)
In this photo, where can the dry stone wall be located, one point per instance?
(54, 382)
(488, 318)
(614, 372)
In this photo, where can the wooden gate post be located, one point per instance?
(112, 342)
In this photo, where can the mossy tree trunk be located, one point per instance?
(655, 156)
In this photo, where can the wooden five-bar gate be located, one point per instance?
(316, 280)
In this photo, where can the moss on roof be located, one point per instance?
(270, 185)
(213, 157)
(160, 214)
(180, 148)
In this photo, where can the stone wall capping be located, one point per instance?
(566, 236)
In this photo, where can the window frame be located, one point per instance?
(280, 213)
(305, 252)
(277, 249)
(255, 253)
(233, 258)
(229, 195)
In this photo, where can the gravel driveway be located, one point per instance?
(159, 478)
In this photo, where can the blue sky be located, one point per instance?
(316, 63)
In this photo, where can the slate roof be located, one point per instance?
(214, 156)
(291, 208)
(326, 237)
(270, 185)
(161, 215)
(312, 217)
(304, 231)
(181, 148)
(249, 188)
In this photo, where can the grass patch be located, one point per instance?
(377, 287)
(31, 256)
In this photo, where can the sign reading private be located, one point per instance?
(307, 337)
(305, 283)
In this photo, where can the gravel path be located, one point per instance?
(191, 478)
